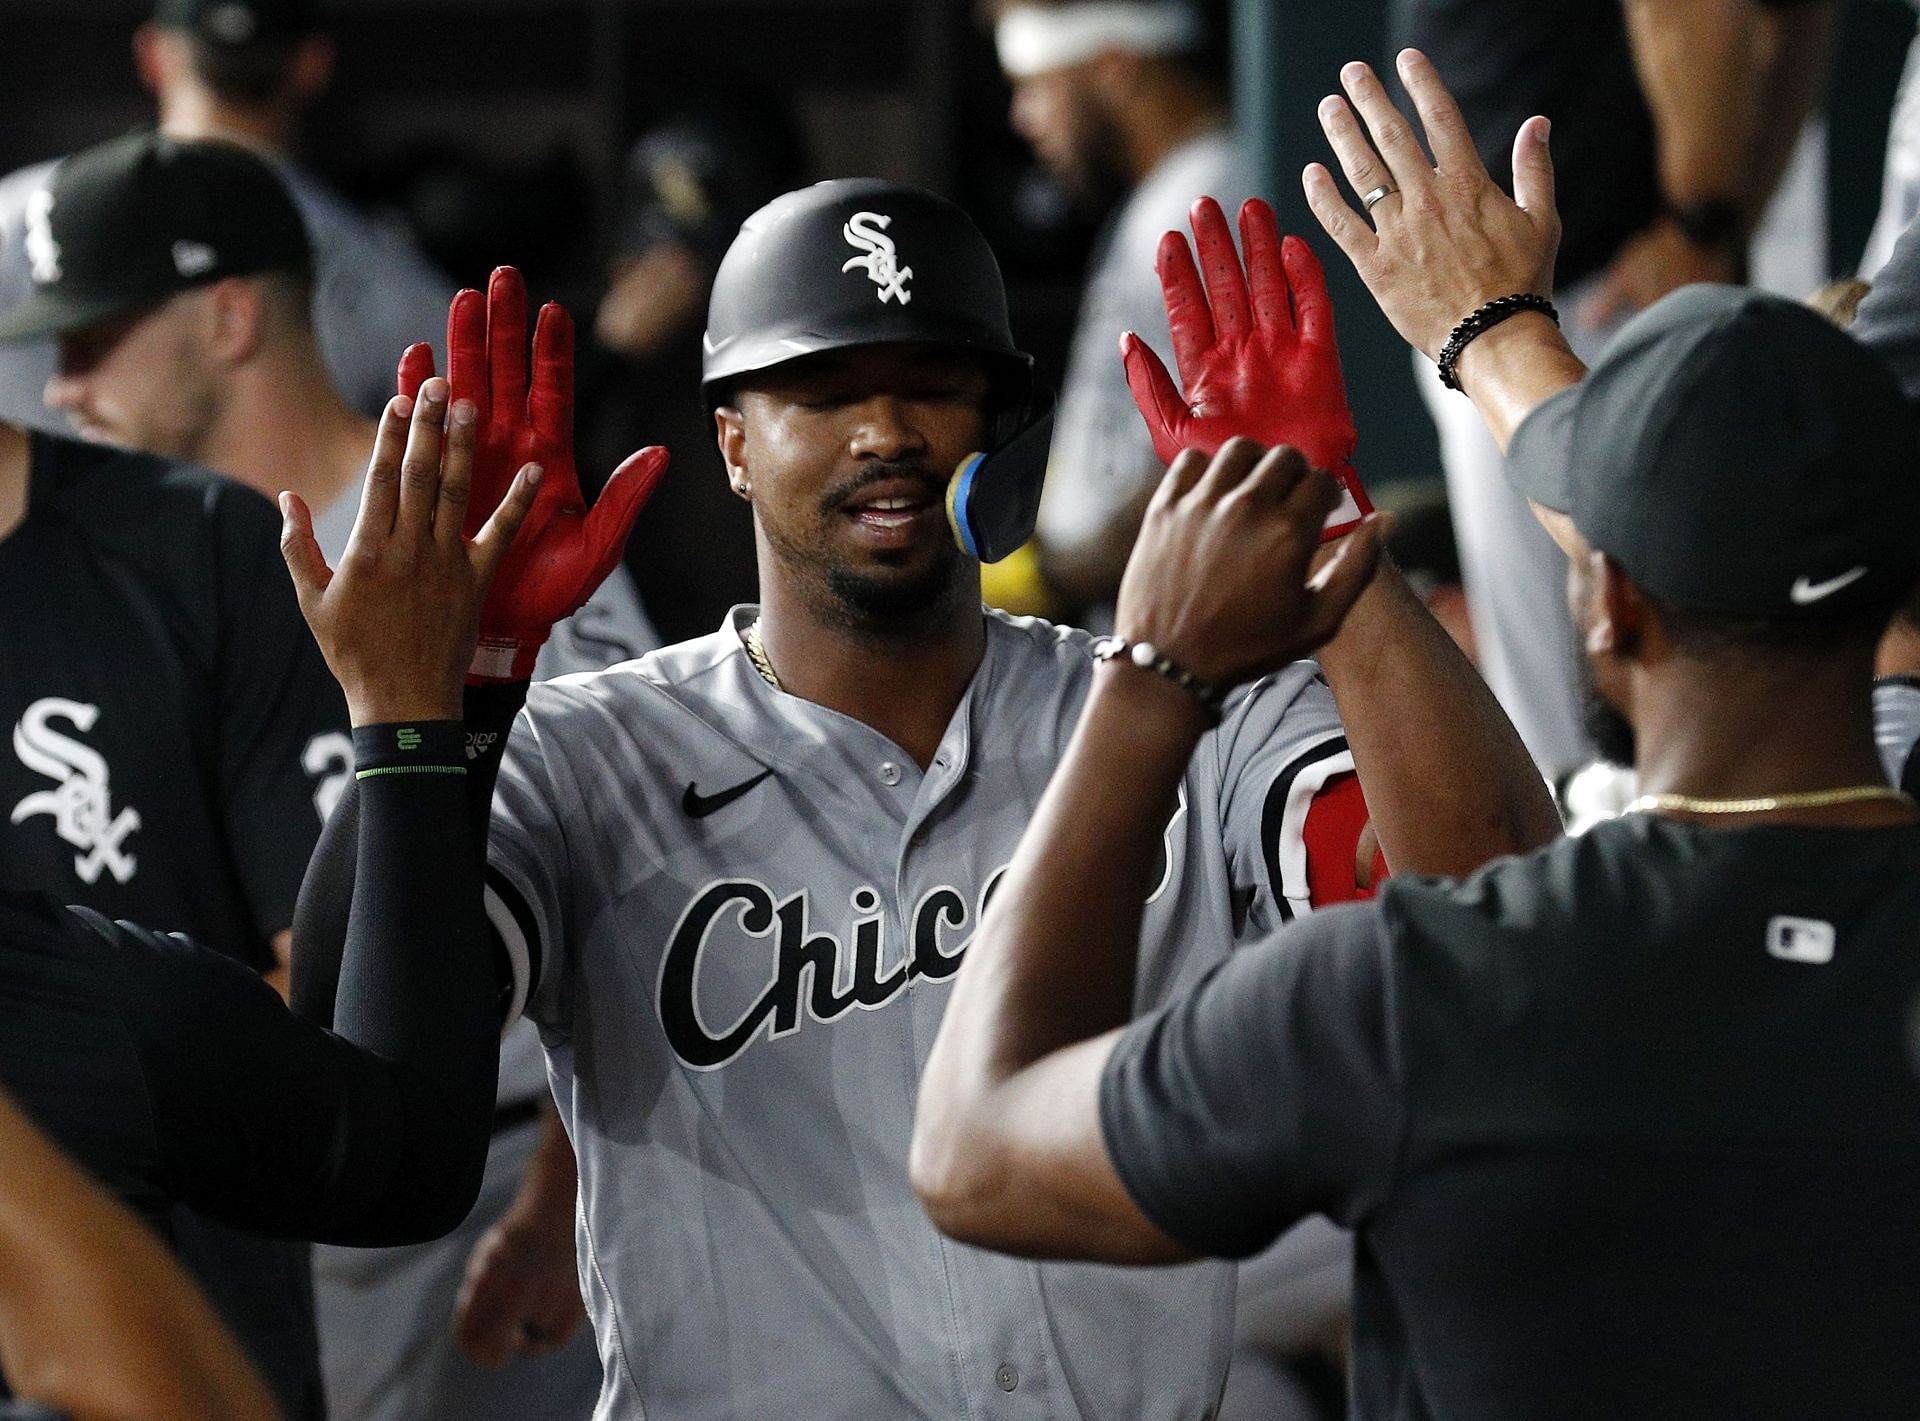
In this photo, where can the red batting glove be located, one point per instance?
(1256, 352)
(564, 550)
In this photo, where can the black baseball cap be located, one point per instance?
(129, 223)
(1738, 454)
(239, 24)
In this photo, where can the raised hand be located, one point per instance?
(1256, 352)
(1218, 579)
(566, 549)
(399, 618)
(1444, 239)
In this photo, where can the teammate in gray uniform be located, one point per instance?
(244, 71)
(734, 877)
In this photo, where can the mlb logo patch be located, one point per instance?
(1800, 939)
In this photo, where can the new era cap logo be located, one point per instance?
(868, 232)
(193, 259)
(43, 252)
(231, 24)
(1805, 590)
(1800, 940)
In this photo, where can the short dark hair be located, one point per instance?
(244, 74)
(1710, 636)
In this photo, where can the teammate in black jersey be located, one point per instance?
(176, 1075)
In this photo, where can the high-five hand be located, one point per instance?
(1443, 239)
(566, 550)
(1218, 580)
(1256, 352)
(398, 620)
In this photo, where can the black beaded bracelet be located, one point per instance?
(1483, 319)
(1147, 657)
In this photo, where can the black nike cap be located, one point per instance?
(239, 24)
(129, 223)
(1737, 454)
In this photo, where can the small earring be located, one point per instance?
(740, 487)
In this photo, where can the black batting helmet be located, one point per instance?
(857, 261)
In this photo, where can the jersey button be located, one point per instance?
(1008, 1376)
(889, 773)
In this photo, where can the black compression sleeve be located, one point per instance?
(326, 894)
(376, 1135)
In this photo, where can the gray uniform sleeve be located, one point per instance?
(1277, 748)
(611, 628)
(528, 875)
(1889, 319)
(1270, 1092)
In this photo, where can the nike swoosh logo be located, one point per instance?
(699, 806)
(1805, 591)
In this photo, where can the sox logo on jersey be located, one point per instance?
(868, 231)
(81, 803)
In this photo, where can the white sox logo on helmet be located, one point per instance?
(868, 232)
(43, 252)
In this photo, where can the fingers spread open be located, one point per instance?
(467, 349)
(1312, 307)
(420, 466)
(1365, 172)
(416, 368)
(1350, 232)
(1392, 134)
(611, 518)
(490, 544)
(1533, 170)
(550, 404)
(1189, 321)
(507, 341)
(306, 564)
(1447, 132)
(1154, 392)
(1220, 262)
(1266, 274)
(381, 497)
(456, 475)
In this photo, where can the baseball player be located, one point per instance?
(733, 879)
(172, 741)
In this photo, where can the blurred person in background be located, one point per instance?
(1126, 105)
(175, 738)
(1673, 122)
(1900, 191)
(220, 366)
(245, 71)
(690, 183)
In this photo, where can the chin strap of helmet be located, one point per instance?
(993, 498)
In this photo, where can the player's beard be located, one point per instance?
(903, 596)
(1610, 730)
(1096, 178)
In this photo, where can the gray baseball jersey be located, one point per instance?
(735, 916)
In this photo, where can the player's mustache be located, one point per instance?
(919, 470)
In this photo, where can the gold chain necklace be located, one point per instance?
(757, 654)
(1807, 799)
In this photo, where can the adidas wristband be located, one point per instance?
(422, 747)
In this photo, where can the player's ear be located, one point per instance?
(313, 66)
(1622, 609)
(730, 433)
(155, 57)
(236, 318)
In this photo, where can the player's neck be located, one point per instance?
(14, 473)
(195, 115)
(905, 683)
(1789, 729)
(286, 428)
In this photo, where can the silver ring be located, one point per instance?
(1372, 198)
